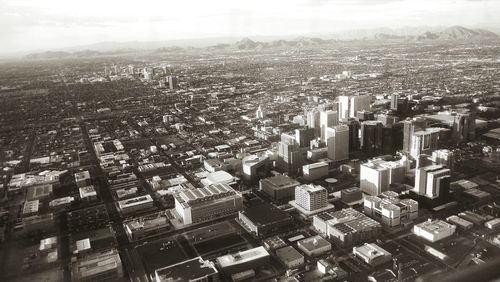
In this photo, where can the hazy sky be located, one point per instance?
(41, 24)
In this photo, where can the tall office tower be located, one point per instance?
(392, 139)
(311, 197)
(371, 137)
(344, 102)
(327, 119)
(304, 136)
(131, 69)
(337, 141)
(350, 105)
(464, 128)
(291, 157)
(172, 82)
(424, 141)
(432, 181)
(354, 127)
(359, 103)
(409, 127)
(394, 101)
(147, 73)
(312, 118)
(260, 114)
(376, 175)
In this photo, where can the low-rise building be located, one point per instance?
(290, 257)
(279, 187)
(391, 211)
(135, 204)
(98, 266)
(315, 245)
(347, 226)
(146, 226)
(244, 260)
(434, 230)
(193, 270)
(207, 203)
(315, 171)
(372, 254)
(264, 219)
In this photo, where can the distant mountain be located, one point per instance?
(49, 55)
(248, 44)
(458, 33)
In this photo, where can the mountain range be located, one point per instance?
(454, 33)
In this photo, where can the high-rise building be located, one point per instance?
(350, 105)
(291, 157)
(394, 101)
(313, 121)
(260, 114)
(304, 136)
(409, 127)
(172, 82)
(424, 141)
(327, 119)
(392, 138)
(354, 127)
(387, 119)
(464, 127)
(337, 141)
(311, 197)
(432, 181)
(376, 175)
(371, 137)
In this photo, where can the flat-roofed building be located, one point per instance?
(290, 257)
(39, 192)
(207, 203)
(88, 193)
(193, 270)
(146, 226)
(311, 197)
(372, 254)
(315, 171)
(82, 178)
(432, 181)
(264, 219)
(135, 204)
(244, 260)
(460, 222)
(391, 211)
(315, 245)
(434, 230)
(377, 174)
(279, 187)
(98, 266)
(347, 226)
(351, 195)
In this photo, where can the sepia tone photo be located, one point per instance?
(250, 140)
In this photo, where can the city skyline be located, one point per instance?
(56, 24)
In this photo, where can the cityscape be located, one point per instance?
(301, 158)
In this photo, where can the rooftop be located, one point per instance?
(281, 181)
(242, 257)
(187, 270)
(265, 214)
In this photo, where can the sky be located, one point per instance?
(51, 24)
